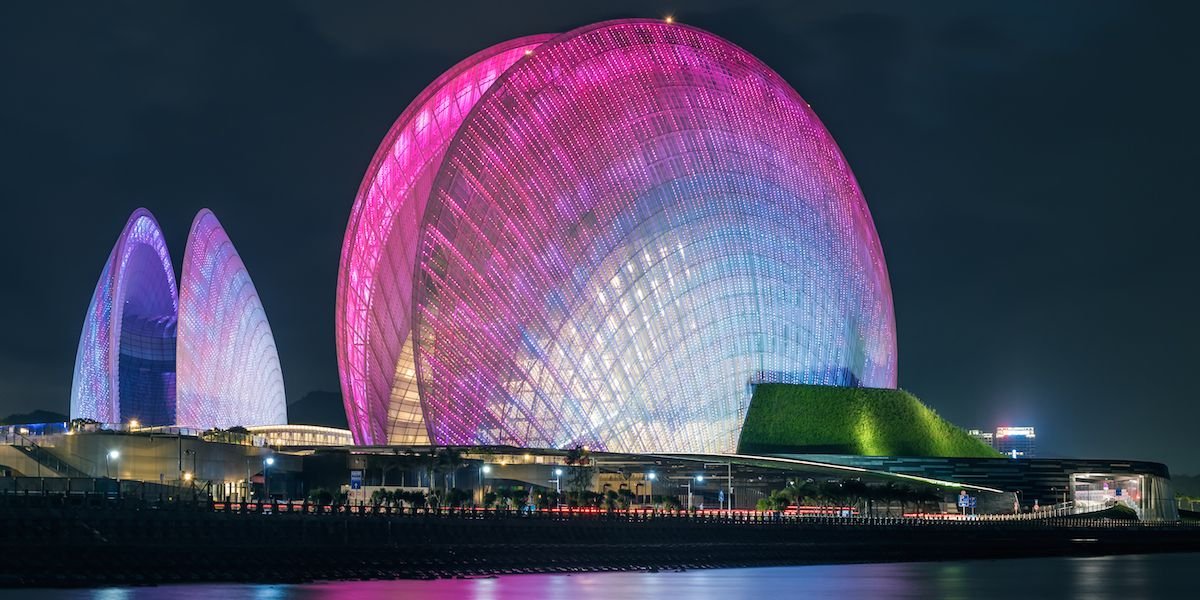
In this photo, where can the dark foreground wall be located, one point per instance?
(69, 546)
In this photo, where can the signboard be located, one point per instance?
(356, 477)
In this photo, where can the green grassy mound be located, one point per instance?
(812, 419)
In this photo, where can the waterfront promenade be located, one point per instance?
(51, 542)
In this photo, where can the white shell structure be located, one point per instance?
(227, 363)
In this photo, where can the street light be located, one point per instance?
(651, 477)
(483, 473)
(267, 463)
(111, 456)
(688, 485)
(108, 457)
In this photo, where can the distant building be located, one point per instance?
(1016, 442)
(198, 355)
(983, 436)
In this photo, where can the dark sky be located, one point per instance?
(1030, 168)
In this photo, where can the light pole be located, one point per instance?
(688, 485)
(267, 463)
(183, 459)
(111, 456)
(650, 477)
(558, 486)
(483, 473)
(728, 477)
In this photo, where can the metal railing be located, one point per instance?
(44, 457)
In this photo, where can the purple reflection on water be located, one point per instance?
(1137, 576)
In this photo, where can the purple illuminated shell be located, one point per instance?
(130, 320)
(636, 223)
(228, 367)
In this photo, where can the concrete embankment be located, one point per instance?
(74, 546)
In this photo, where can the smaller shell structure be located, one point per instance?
(125, 365)
(228, 367)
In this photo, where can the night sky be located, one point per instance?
(1029, 165)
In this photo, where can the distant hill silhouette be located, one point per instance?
(42, 416)
(318, 407)
(1188, 485)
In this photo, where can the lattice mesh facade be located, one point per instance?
(374, 295)
(128, 372)
(636, 222)
(200, 357)
(228, 367)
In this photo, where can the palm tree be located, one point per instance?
(427, 463)
(449, 461)
(831, 494)
(806, 492)
(580, 460)
(855, 490)
(891, 492)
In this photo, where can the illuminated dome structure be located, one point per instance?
(228, 368)
(605, 238)
(203, 358)
(125, 364)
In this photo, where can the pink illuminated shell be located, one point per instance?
(636, 223)
(227, 363)
(374, 295)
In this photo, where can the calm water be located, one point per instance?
(1123, 577)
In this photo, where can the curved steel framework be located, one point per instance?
(374, 294)
(228, 367)
(125, 364)
(635, 223)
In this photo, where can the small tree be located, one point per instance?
(666, 502)
(456, 497)
(854, 490)
(449, 461)
(320, 496)
(580, 461)
(610, 500)
(625, 498)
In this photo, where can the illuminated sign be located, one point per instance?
(1014, 432)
